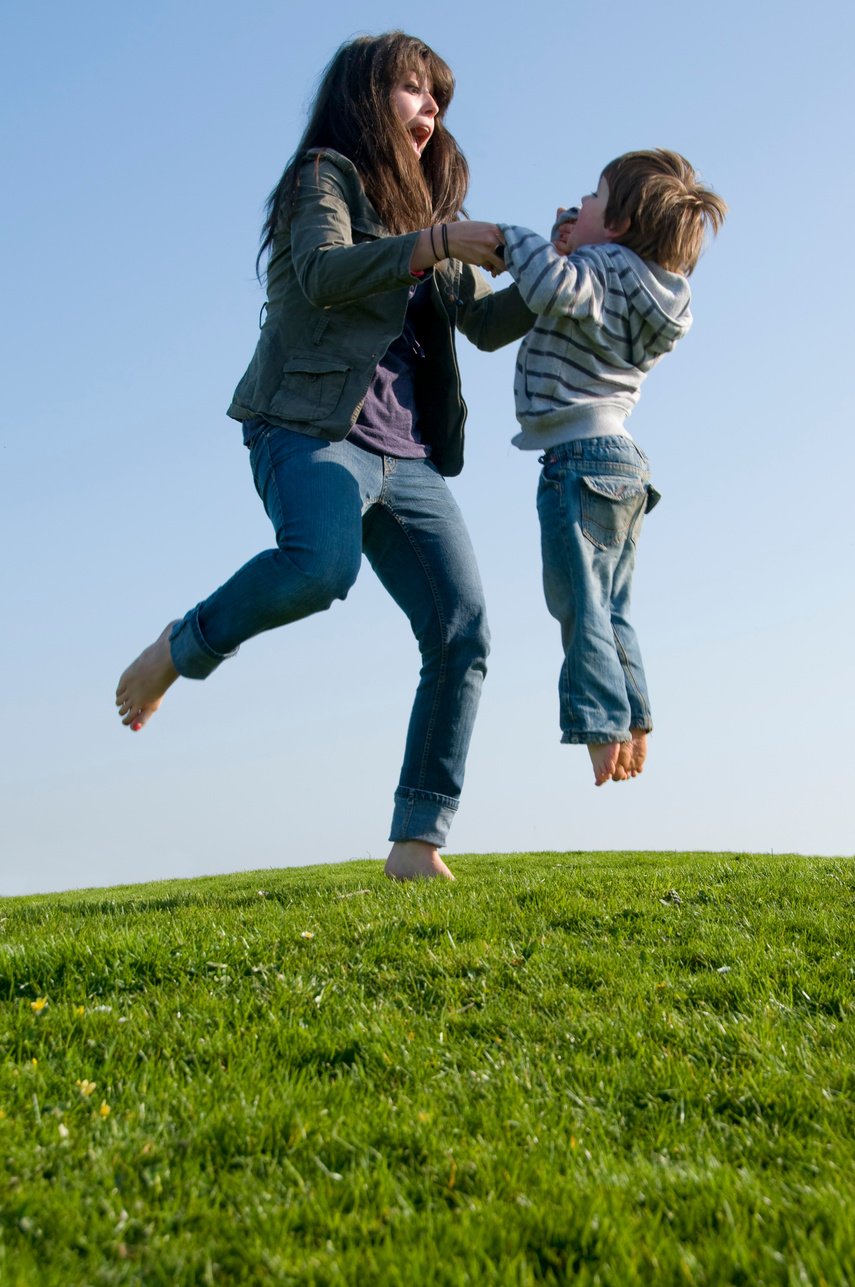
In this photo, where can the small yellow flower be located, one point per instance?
(34, 1062)
(39, 1004)
(2, 1114)
(104, 1110)
(79, 1009)
(423, 1116)
(85, 1086)
(307, 934)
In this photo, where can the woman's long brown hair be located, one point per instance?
(353, 114)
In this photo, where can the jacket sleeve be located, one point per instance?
(486, 317)
(553, 285)
(333, 266)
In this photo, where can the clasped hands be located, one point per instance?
(467, 240)
(478, 243)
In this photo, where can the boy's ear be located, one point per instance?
(619, 229)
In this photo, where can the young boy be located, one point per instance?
(611, 297)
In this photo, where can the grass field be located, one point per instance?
(586, 1068)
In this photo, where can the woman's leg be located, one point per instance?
(314, 498)
(418, 545)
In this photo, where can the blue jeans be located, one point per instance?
(328, 502)
(592, 497)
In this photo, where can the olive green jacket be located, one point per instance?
(338, 285)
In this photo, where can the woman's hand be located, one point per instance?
(467, 240)
(477, 243)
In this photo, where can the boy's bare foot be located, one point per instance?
(633, 754)
(145, 681)
(604, 757)
(415, 860)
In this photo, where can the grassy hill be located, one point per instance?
(598, 1068)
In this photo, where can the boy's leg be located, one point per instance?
(633, 753)
(590, 494)
(313, 492)
(418, 545)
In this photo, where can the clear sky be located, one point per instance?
(140, 144)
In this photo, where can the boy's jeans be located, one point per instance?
(329, 502)
(592, 497)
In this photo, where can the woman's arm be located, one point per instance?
(467, 240)
(334, 269)
(488, 318)
(330, 266)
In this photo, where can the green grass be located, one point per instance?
(587, 1068)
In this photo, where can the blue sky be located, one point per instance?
(140, 145)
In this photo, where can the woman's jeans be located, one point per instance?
(592, 497)
(328, 502)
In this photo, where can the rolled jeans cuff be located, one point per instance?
(422, 815)
(192, 656)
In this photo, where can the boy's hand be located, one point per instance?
(562, 229)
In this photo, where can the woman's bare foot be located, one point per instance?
(604, 757)
(633, 754)
(415, 860)
(143, 684)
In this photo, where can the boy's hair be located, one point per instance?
(352, 113)
(668, 209)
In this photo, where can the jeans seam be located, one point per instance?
(275, 484)
(443, 664)
(415, 794)
(630, 678)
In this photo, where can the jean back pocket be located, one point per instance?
(611, 507)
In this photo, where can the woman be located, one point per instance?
(352, 412)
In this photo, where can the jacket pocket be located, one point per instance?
(611, 508)
(309, 389)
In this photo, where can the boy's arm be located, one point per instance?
(551, 284)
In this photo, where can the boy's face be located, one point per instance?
(589, 228)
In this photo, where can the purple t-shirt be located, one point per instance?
(388, 423)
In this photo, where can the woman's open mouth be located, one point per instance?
(421, 135)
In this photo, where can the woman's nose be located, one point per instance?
(429, 107)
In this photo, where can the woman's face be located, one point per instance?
(416, 108)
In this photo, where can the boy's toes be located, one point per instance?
(604, 758)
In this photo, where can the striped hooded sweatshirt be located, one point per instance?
(604, 317)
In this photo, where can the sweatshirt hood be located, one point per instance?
(664, 299)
